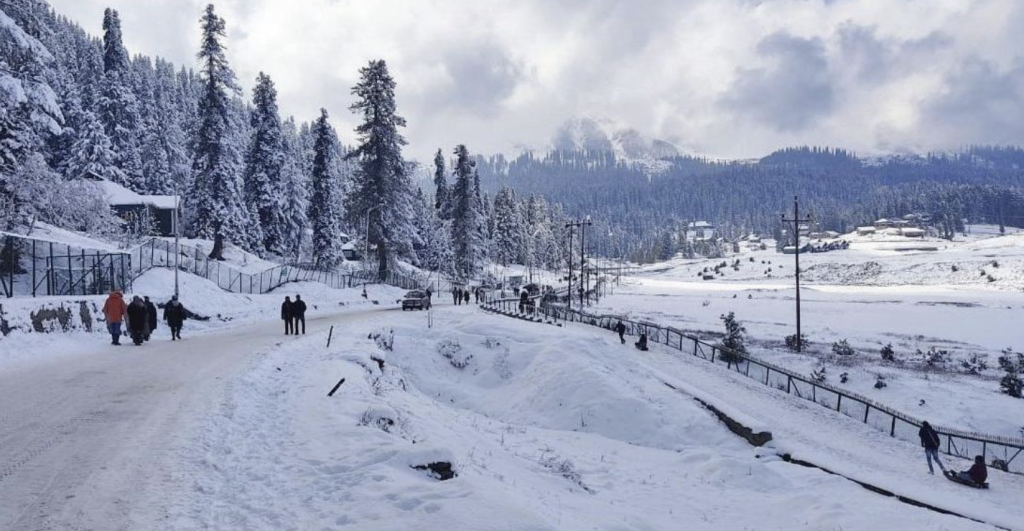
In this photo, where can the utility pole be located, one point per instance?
(582, 224)
(796, 243)
(177, 251)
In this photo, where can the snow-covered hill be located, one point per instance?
(588, 134)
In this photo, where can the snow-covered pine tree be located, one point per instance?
(28, 112)
(435, 253)
(215, 200)
(323, 208)
(293, 199)
(508, 237)
(117, 107)
(92, 152)
(265, 160)
(381, 182)
(441, 192)
(467, 239)
(165, 160)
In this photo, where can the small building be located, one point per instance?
(913, 232)
(350, 252)
(700, 230)
(864, 231)
(128, 204)
(883, 223)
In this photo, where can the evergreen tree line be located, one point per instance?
(644, 215)
(83, 105)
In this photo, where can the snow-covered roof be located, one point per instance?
(701, 224)
(118, 195)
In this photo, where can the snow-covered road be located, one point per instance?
(88, 442)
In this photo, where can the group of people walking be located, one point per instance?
(138, 319)
(293, 313)
(462, 295)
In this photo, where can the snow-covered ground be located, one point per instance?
(546, 427)
(870, 296)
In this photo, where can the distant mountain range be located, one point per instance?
(592, 135)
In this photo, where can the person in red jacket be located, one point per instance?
(115, 311)
(978, 473)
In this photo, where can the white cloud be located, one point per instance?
(723, 77)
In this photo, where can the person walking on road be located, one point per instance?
(456, 296)
(930, 442)
(288, 315)
(299, 314)
(465, 296)
(115, 310)
(151, 317)
(621, 330)
(138, 320)
(174, 314)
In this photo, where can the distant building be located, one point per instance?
(127, 203)
(864, 231)
(913, 232)
(700, 230)
(350, 252)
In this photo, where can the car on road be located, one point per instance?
(416, 300)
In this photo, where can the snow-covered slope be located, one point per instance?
(606, 135)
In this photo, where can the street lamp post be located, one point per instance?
(177, 250)
(570, 226)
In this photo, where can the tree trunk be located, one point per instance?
(382, 261)
(218, 247)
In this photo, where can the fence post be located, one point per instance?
(71, 274)
(52, 284)
(867, 409)
(892, 430)
(839, 401)
(789, 384)
(33, 270)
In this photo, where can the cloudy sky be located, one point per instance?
(729, 78)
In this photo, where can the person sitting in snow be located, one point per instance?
(977, 473)
(642, 344)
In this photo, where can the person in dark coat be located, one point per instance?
(930, 442)
(151, 317)
(465, 296)
(621, 330)
(978, 472)
(642, 344)
(138, 320)
(299, 314)
(174, 314)
(456, 296)
(288, 315)
(524, 299)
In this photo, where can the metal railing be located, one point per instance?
(1003, 453)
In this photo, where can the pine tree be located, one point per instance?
(29, 113)
(216, 205)
(294, 202)
(467, 237)
(323, 206)
(117, 107)
(508, 237)
(441, 192)
(265, 162)
(381, 183)
(92, 153)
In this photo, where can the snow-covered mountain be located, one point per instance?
(591, 134)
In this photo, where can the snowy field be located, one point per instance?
(871, 296)
(547, 428)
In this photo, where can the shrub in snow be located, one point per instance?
(845, 377)
(976, 364)
(888, 354)
(818, 375)
(733, 343)
(842, 348)
(452, 351)
(935, 357)
(791, 343)
(1013, 365)
(383, 419)
(385, 339)
(441, 470)
(955, 268)
(566, 469)
(995, 263)
(990, 278)
(880, 382)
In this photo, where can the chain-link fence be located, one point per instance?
(40, 268)
(1003, 453)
